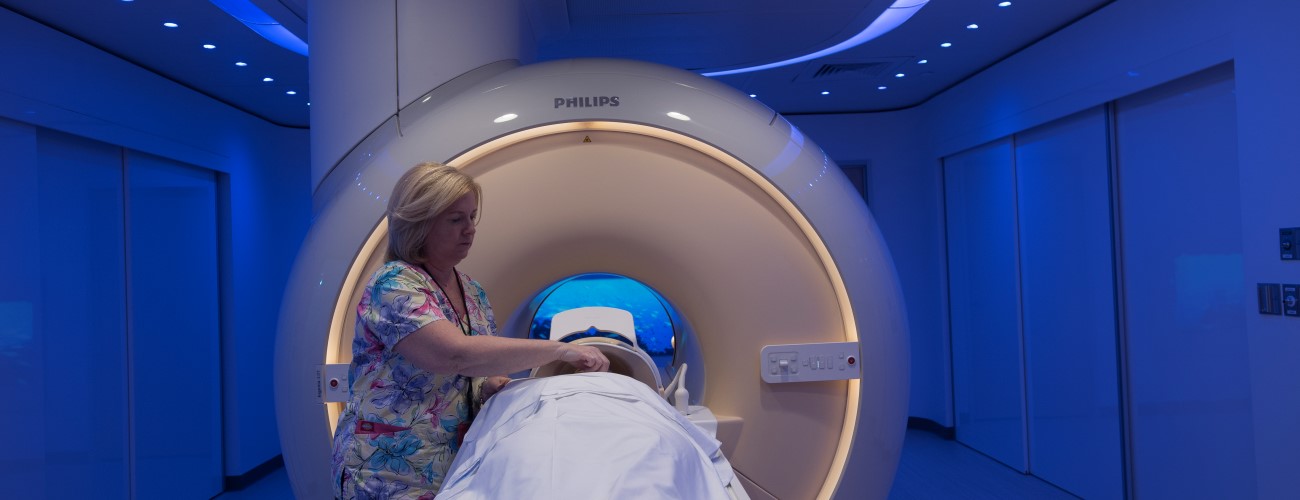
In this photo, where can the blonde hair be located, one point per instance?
(423, 192)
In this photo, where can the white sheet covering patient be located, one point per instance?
(589, 435)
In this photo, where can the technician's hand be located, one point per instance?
(493, 385)
(584, 358)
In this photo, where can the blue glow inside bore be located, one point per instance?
(651, 313)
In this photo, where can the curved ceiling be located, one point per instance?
(698, 35)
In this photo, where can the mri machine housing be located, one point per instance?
(650, 172)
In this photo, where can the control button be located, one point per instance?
(334, 383)
(852, 360)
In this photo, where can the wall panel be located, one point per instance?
(174, 335)
(62, 305)
(1071, 363)
(1192, 434)
(988, 383)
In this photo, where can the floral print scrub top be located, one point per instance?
(402, 426)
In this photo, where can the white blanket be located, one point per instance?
(589, 435)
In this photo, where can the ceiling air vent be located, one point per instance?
(849, 70)
(846, 70)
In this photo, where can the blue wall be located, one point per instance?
(262, 183)
(1119, 52)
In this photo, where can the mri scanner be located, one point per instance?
(791, 316)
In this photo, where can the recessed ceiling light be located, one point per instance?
(679, 116)
(899, 75)
(923, 61)
(505, 118)
(826, 92)
(882, 87)
(972, 26)
(946, 44)
(292, 92)
(1004, 4)
(268, 79)
(753, 95)
(209, 46)
(241, 64)
(171, 25)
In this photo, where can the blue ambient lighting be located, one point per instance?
(882, 87)
(897, 14)
(652, 315)
(292, 92)
(972, 26)
(209, 46)
(241, 64)
(171, 25)
(268, 79)
(899, 75)
(826, 92)
(262, 23)
(946, 44)
(1004, 4)
(923, 61)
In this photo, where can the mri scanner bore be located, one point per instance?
(741, 223)
(657, 323)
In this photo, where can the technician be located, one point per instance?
(425, 356)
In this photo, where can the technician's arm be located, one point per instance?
(441, 347)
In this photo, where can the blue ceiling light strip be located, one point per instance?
(891, 18)
(262, 23)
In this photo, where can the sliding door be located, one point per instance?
(1192, 431)
(984, 276)
(1068, 290)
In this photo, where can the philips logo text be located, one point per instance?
(586, 102)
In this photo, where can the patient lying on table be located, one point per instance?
(586, 435)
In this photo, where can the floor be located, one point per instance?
(936, 468)
(931, 468)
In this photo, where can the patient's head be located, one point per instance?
(616, 364)
(623, 360)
